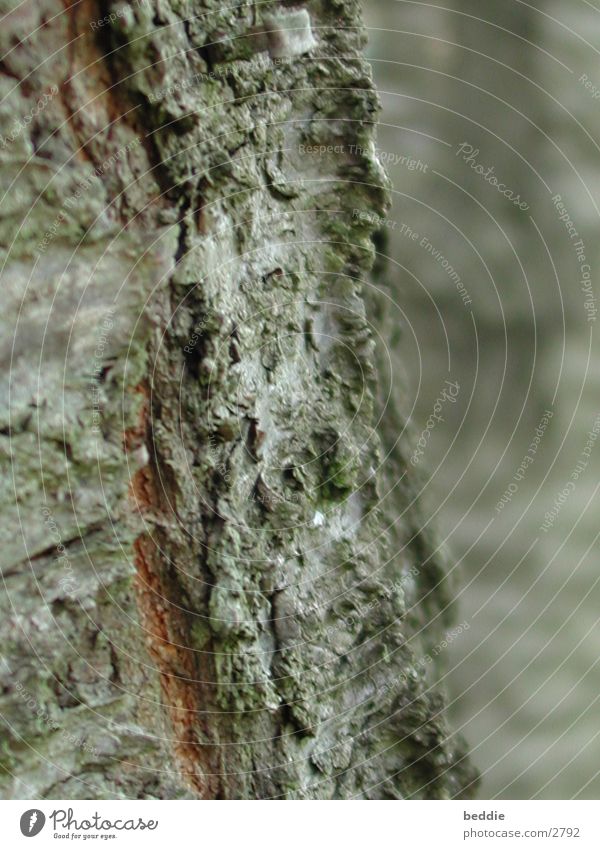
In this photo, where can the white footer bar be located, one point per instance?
(300, 825)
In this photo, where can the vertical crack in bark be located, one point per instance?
(168, 638)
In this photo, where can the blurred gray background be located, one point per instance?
(517, 83)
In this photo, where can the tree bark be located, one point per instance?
(207, 593)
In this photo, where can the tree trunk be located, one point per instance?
(212, 590)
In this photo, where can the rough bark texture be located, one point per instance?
(206, 594)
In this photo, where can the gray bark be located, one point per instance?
(206, 593)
